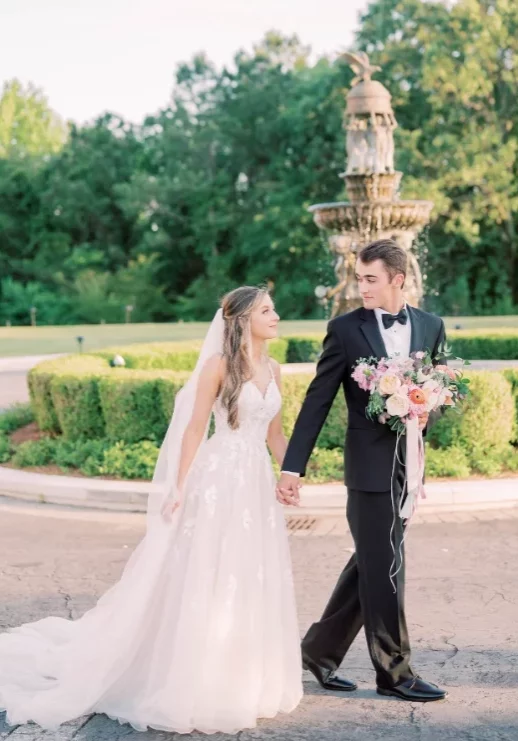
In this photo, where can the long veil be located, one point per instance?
(166, 470)
(56, 669)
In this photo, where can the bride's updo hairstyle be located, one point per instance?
(237, 307)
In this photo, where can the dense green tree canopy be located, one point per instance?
(213, 191)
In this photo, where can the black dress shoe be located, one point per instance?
(327, 678)
(414, 690)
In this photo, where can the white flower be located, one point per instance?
(432, 399)
(430, 386)
(389, 384)
(445, 397)
(431, 391)
(398, 405)
(421, 377)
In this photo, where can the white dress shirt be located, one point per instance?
(397, 338)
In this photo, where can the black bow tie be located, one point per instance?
(389, 319)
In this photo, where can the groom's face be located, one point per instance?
(376, 288)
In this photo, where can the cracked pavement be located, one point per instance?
(462, 597)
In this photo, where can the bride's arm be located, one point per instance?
(276, 440)
(209, 384)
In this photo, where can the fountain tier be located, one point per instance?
(374, 210)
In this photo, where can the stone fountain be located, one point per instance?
(374, 210)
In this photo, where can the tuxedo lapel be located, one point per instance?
(417, 336)
(369, 327)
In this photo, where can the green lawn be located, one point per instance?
(42, 340)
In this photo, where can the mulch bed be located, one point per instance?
(29, 432)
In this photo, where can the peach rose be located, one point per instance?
(398, 405)
(389, 384)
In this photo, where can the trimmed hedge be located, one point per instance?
(471, 345)
(83, 398)
(177, 356)
(137, 405)
(294, 388)
(44, 378)
(77, 405)
(134, 405)
(303, 349)
(484, 345)
(182, 356)
(486, 426)
(512, 376)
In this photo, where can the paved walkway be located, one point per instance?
(13, 378)
(462, 600)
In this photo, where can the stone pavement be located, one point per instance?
(462, 599)
(13, 378)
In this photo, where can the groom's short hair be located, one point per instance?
(389, 252)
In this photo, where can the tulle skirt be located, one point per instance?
(199, 633)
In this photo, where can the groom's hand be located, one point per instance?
(287, 489)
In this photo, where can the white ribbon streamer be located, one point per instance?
(413, 485)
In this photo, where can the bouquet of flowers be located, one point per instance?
(404, 389)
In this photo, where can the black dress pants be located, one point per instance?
(364, 594)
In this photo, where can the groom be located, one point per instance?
(364, 595)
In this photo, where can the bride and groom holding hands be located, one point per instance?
(201, 632)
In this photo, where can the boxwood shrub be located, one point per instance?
(84, 399)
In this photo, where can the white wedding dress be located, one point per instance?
(201, 630)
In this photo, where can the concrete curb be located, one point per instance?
(317, 500)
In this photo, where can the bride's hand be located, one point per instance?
(170, 506)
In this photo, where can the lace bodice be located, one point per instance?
(256, 411)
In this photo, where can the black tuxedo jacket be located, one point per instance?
(369, 445)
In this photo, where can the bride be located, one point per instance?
(201, 632)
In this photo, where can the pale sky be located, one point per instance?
(90, 56)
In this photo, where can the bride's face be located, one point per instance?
(264, 320)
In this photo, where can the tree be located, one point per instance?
(213, 191)
(28, 126)
(456, 100)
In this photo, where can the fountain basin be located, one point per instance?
(374, 186)
(368, 218)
